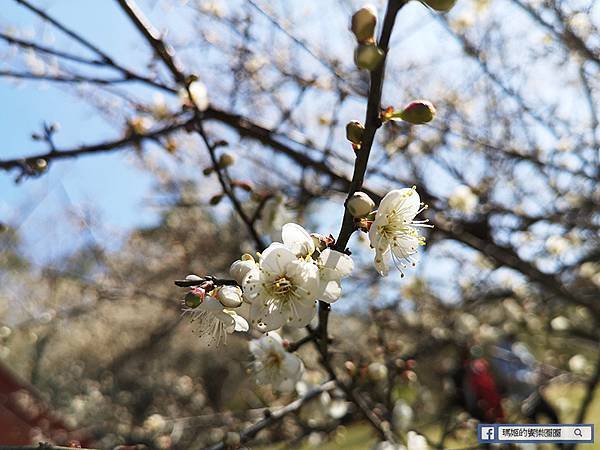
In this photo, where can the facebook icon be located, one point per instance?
(486, 433)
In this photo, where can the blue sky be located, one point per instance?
(107, 184)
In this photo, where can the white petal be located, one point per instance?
(305, 275)
(404, 246)
(405, 200)
(272, 319)
(335, 265)
(301, 314)
(240, 323)
(380, 263)
(297, 240)
(331, 291)
(292, 367)
(275, 258)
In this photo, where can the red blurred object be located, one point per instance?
(482, 396)
(24, 416)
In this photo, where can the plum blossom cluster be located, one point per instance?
(283, 286)
(212, 310)
(280, 287)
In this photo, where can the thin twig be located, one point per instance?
(273, 417)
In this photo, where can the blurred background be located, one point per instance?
(92, 343)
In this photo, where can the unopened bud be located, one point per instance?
(377, 371)
(216, 199)
(363, 24)
(226, 160)
(350, 367)
(355, 131)
(40, 164)
(207, 171)
(192, 299)
(368, 56)
(171, 146)
(229, 296)
(440, 5)
(193, 277)
(418, 112)
(321, 241)
(243, 185)
(241, 267)
(360, 205)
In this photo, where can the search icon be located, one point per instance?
(577, 432)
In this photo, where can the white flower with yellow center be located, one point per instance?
(332, 265)
(213, 322)
(281, 289)
(463, 199)
(394, 229)
(273, 364)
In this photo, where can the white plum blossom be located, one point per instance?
(402, 415)
(281, 289)
(297, 240)
(197, 92)
(332, 265)
(463, 199)
(284, 285)
(414, 441)
(557, 245)
(229, 296)
(240, 268)
(273, 364)
(395, 231)
(213, 322)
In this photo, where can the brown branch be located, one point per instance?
(166, 54)
(260, 245)
(108, 146)
(272, 417)
(63, 78)
(162, 50)
(372, 124)
(50, 51)
(105, 58)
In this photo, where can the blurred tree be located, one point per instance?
(509, 168)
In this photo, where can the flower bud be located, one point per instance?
(355, 131)
(360, 205)
(40, 165)
(350, 368)
(440, 5)
(368, 56)
(229, 296)
(226, 160)
(241, 267)
(198, 93)
(216, 199)
(377, 371)
(418, 112)
(363, 24)
(192, 277)
(321, 241)
(193, 299)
